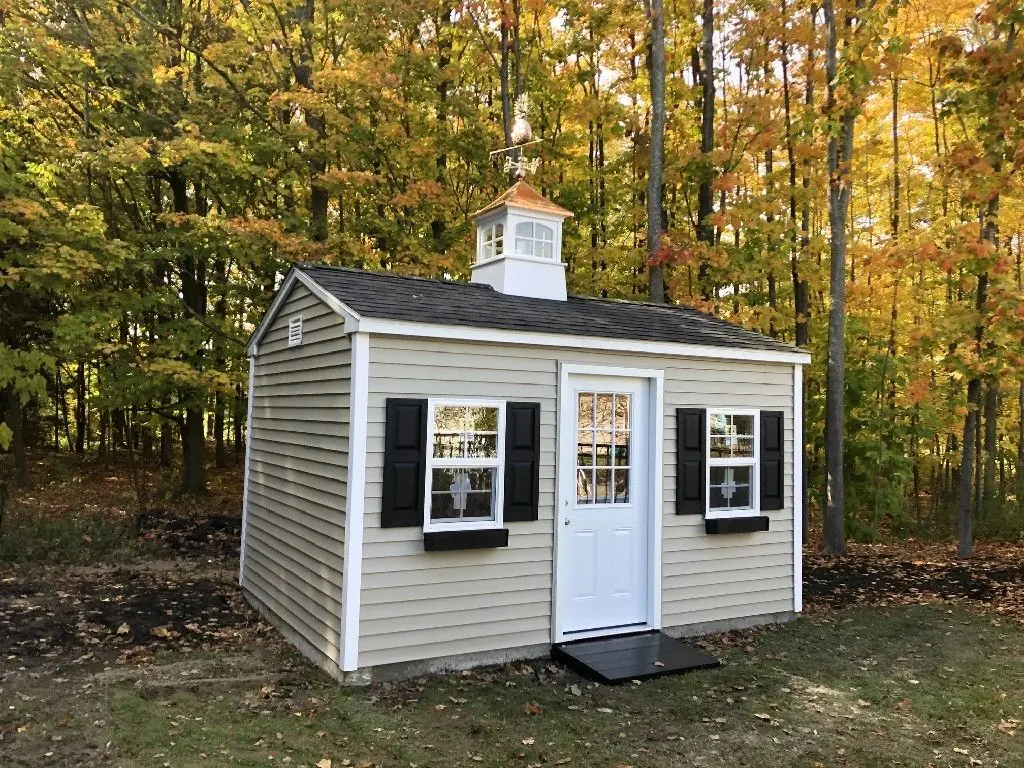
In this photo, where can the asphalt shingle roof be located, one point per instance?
(416, 299)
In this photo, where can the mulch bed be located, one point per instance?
(917, 572)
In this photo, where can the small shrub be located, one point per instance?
(29, 536)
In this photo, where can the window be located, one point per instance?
(492, 243)
(602, 450)
(465, 443)
(732, 463)
(294, 331)
(533, 239)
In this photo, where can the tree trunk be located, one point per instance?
(14, 414)
(656, 65)
(303, 73)
(1020, 447)
(220, 456)
(192, 443)
(991, 439)
(238, 421)
(705, 192)
(444, 58)
(193, 294)
(840, 153)
(81, 423)
(166, 443)
(965, 536)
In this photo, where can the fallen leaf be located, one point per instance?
(325, 763)
(531, 709)
(529, 741)
(762, 716)
(124, 629)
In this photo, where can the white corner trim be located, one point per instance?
(798, 483)
(248, 466)
(658, 484)
(350, 317)
(530, 338)
(352, 573)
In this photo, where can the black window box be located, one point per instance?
(445, 541)
(736, 525)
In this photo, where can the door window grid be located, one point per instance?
(603, 448)
(732, 461)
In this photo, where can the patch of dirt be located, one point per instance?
(118, 614)
(881, 575)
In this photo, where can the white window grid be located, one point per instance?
(535, 239)
(492, 242)
(496, 463)
(752, 461)
(613, 468)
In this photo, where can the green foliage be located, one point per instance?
(161, 167)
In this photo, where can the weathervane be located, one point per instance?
(522, 136)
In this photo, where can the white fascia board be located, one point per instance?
(352, 569)
(297, 275)
(533, 339)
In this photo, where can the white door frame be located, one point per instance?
(656, 458)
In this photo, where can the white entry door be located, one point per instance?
(605, 510)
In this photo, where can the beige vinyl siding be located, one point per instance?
(419, 605)
(294, 542)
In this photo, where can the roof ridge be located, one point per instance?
(384, 273)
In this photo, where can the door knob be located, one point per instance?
(567, 521)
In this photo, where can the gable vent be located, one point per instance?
(295, 331)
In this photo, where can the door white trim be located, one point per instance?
(656, 428)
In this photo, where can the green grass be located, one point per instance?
(912, 686)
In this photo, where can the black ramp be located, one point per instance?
(640, 656)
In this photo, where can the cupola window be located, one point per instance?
(534, 239)
(493, 241)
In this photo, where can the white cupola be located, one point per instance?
(519, 244)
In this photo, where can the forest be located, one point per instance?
(844, 175)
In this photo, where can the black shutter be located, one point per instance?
(522, 461)
(773, 487)
(691, 455)
(405, 462)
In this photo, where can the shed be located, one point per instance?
(443, 474)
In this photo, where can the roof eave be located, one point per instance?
(389, 327)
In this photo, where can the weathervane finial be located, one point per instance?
(521, 136)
